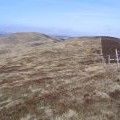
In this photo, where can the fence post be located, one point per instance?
(117, 58)
(108, 59)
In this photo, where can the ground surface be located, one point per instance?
(56, 80)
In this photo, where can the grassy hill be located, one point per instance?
(25, 37)
(56, 80)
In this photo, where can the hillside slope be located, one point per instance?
(58, 81)
(26, 37)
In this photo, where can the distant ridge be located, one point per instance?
(94, 37)
(3, 33)
(25, 37)
(36, 38)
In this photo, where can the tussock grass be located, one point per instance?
(58, 81)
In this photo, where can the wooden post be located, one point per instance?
(108, 59)
(117, 58)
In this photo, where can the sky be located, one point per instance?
(61, 17)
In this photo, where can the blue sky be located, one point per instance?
(65, 17)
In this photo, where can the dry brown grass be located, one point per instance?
(58, 81)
